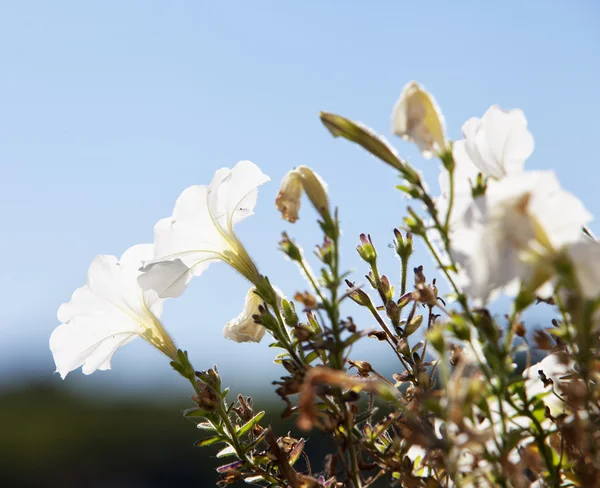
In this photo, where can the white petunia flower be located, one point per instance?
(513, 230)
(243, 328)
(497, 143)
(554, 369)
(108, 312)
(200, 231)
(465, 178)
(417, 118)
(585, 256)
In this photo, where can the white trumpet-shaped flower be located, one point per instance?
(107, 313)
(200, 231)
(417, 118)
(497, 143)
(514, 230)
(244, 328)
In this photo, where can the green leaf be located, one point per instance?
(208, 441)
(206, 426)
(311, 357)
(248, 425)
(224, 393)
(228, 451)
(195, 412)
(363, 136)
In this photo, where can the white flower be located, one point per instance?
(496, 146)
(243, 328)
(290, 193)
(553, 368)
(498, 143)
(108, 312)
(514, 230)
(585, 256)
(465, 177)
(200, 231)
(417, 118)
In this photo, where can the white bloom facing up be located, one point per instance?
(290, 193)
(243, 328)
(417, 118)
(497, 143)
(200, 231)
(107, 313)
(514, 231)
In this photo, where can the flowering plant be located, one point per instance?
(458, 411)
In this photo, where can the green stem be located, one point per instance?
(450, 202)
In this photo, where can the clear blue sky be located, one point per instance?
(108, 110)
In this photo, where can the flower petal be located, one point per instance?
(106, 313)
(244, 328)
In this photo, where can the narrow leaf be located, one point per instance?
(248, 425)
(228, 451)
(208, 441)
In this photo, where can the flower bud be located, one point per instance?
(290, 193)
(290, 248)
(435, 336)
(417, 118)
(366, 250)
(210, 377)
(358, 296)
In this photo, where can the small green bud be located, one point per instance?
(289, 313)
(415, 223)
(435, 336)
(289, 248)
(461, 330)
(480, 186)
(366, 250)
(386, 288)
(325, 251)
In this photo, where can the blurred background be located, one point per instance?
(110, 109)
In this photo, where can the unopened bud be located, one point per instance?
(366, 250)
(435, 336)
(417, 118)
(210, 377)
(289, 313)
(290, 248)
(386, 288)
(290, 193)
(207, 398)
(419, 276)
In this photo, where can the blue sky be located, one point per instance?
(110, 109)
